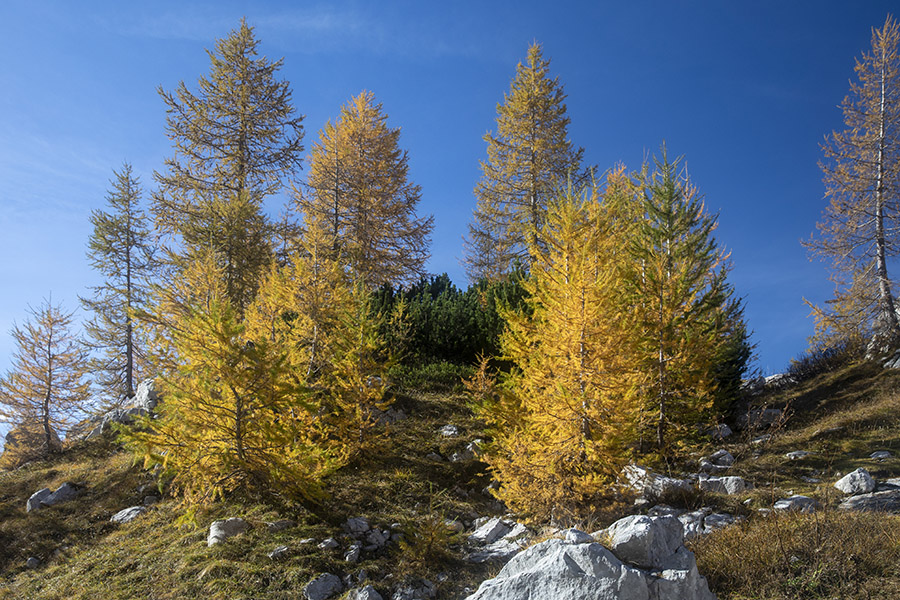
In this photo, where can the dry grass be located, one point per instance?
(830, 554)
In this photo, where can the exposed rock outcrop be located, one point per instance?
(662, 568)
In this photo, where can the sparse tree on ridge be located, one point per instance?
(46, 386)
(236, 139)
(858, 232)
(360, 194)
(121, 249)
(529, 159)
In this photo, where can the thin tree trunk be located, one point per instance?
(888, 312)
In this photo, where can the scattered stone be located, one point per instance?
(857, 482)
(219, 531)
(807, 479)
(279, 553)
(887, 501)
(434, 456)
(127, 515)
(576, 536)
(454, 525)
(490, 531)
(307, 541)
(63, 493)
(654, 485)
(420, 589)
(462, 456)
(366, 593)
(34, 502)
(796, 455)
(761, 439)
(720, 431)
(280, 525)
(724, 485)
(322, 587)
(449, 431)
(33, 562)
(803, 504)
(377, 538)
(352, 555)
(717, 521)
(881, 455)
(721, 457)
(357, 526)
(329, 544)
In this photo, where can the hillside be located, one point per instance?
(410, 486)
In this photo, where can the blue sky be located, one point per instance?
(746, 91)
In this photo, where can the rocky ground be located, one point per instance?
(415, 519)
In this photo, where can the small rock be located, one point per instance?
(490, 531)
(724, 485)
(887, 501)
(880, 455)
(357, 526)
(804, 504)
(576, 536)
(280, 525)
(366, 593)
(720, 432)
(796, 455)
(449, 431)
(421, 589)
(807, 479)
(307, 541)
(378, 537)
(454, 525)
(761, 439)
(329, 544)
(150, 500)
(127, 515)
(722, 458)
(322, 587)
(63, 493)
(462, 456)
(34, 502)
(279, 553)
(33, 562)
(353, 553)
(219, 531)
(857, 482)
(434, 456)
(717, 521)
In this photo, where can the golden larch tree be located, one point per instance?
(529, 159)
(359, 192)
(47, 387)
(236, 139)
(861, 168)
(562, 420)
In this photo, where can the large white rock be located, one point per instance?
(322, 587)
(560, 569)
(856, 482)
(724, 485)
(147, 396)
(645, 541)
(219, 531)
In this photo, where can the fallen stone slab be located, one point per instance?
(887, 501)
(803, 504)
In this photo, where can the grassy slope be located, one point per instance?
(840, 418)
(828, 555)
